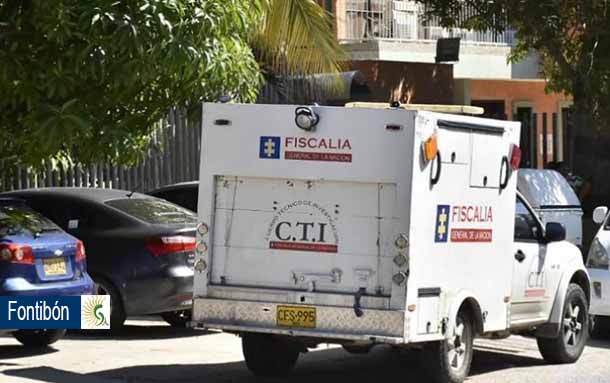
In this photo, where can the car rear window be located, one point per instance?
(19, 219)
(154, 211)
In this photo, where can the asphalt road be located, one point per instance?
(151, 352)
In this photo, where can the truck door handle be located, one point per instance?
(519, 256)
(437, 176)
(504, 183)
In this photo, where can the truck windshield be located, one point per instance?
(20, 219)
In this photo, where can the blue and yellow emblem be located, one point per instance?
(441, 233)
(269, 147)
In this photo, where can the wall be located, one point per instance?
(413, 83)
(423, 51)
(173, 156)
(520, 93)
(515, 91)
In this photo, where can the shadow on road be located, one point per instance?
(18, 351)
(136, 332)
(332, 366)
(488, 361)
(599, 343)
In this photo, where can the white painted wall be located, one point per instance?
(476, 61)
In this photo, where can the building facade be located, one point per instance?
(393, 44)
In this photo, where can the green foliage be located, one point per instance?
(297, 37)
(572, 36)
(86, 81)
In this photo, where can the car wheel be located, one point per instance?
(267, 355)
(449, 360)
(600, 327)
(117, 313)
(569, 344)
(38, 338)
(177, 318)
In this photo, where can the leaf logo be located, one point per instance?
(92, 312)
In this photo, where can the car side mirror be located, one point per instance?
(599, 214)
(554, 232)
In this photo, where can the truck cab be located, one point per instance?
(541, 254)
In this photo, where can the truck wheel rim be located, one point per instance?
(456, 352)
(572, 325)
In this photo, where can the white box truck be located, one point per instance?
(363, 226)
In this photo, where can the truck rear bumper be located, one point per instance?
(341, 323)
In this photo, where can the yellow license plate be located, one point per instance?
(296, 316)
(54, 266)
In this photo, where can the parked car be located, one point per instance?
(183, 194)
(140, 248)
(38, 258)
(553, 199)
(598, 266)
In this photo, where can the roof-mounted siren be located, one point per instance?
(306, 118)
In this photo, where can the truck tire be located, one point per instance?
(600, 327)
(570, 343)
(449, 361)
(267, 355)
(38, 338)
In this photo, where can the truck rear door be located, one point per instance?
(315, 211)
(298, 234)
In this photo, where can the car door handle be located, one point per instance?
(519, 256)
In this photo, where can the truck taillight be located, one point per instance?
(16, 253)
(160, 246)
(515, 157)
(80, 251)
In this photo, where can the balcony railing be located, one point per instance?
(400, 20)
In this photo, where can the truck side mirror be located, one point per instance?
(554, 232)
(599, 214)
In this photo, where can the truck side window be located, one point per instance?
(526, 226)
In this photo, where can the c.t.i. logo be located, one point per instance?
(441, 233)
(269, 147)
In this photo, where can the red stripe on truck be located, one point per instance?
(471, 235)
(318, 156)
(531, 293)
(301, 246)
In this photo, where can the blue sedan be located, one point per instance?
(38, 258)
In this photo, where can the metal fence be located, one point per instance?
(173, 156)
(400, 20)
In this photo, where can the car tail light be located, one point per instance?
(167, 245)
(16, 253)
(80, 251)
